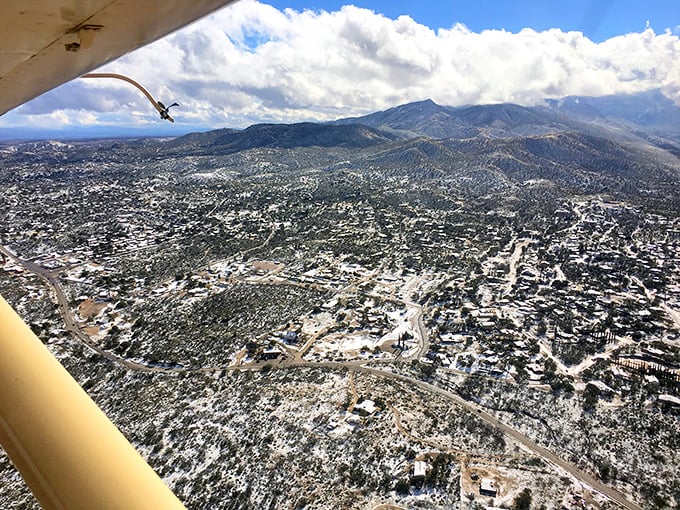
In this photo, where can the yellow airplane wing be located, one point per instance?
(66, 449)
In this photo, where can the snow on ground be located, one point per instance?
(341, 427)
(349, 343)
(403, 323)
(316, 323)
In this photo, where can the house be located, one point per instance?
(367, 406)
(419, 470)
(603, 389)
(290, 337)
(269, 354)
(487, 325)
(487, 487)
(454, 338)
(652, 381)
(535, 372)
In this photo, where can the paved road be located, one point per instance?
(70, 323)
(424, 341)
(546, 454)
(580, 475)
(72, 326)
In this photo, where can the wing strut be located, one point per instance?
(162, 109)
(71, 456)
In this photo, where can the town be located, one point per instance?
(264, 261)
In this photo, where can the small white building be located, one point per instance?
(419, 469)
(366, 405)
(487, 487)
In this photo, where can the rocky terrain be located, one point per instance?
(398, 309)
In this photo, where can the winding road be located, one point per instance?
(70, 323)
(420, 331)
(72, 326)
(546, 454)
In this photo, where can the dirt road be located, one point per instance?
(73, 327)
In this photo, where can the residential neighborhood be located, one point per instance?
(449, 346)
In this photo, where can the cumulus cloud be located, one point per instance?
(251, 62)
(76, 95)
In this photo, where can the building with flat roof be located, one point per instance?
(419, 469)
(487, 487)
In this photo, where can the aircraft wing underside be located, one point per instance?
(46, 43)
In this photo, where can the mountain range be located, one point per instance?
(628, 144)
(648, 117)
(625, 143)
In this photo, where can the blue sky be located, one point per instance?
(597, 19)
(277, 62)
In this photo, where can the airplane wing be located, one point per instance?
(46, 43)
(68, 452)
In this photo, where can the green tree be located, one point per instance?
(402, 486)
(523, 500)
(591, 394)
(550, 367)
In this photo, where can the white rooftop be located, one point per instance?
(419, 468)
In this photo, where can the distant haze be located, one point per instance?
(254, 63)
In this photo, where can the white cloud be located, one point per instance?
(86, 118)
(251, 62)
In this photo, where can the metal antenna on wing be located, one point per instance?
(162, 109)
